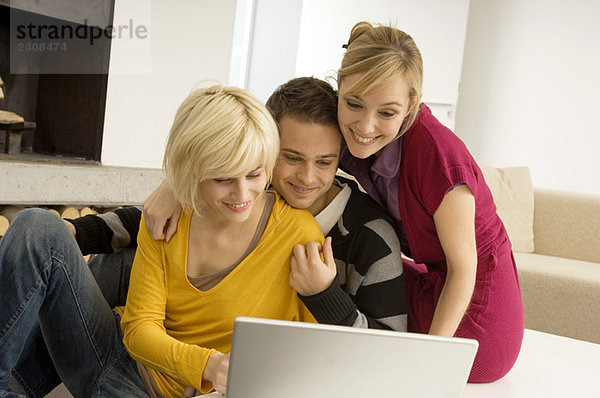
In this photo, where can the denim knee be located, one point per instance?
(35, 234)
(34, 224)
(36, 219)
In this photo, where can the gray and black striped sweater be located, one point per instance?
(369, 288)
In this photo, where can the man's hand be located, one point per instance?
(216, 370)
(161, 212)
(309, 274)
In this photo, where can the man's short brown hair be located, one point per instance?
(306, 99)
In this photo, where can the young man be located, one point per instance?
(368, 288)
(359, 284)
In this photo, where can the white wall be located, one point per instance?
(190, 45)
(437, 26)
(274, 45)
(530, 91)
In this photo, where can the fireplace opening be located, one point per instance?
(60, 93)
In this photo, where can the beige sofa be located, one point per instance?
(556, 241)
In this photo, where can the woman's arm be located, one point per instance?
(216, 370)
(144, 333)
(161, 212)
(455, 224)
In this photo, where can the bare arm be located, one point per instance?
(161, 212)
(455, 224)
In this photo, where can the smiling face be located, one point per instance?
(231, 199)
(372, 120)
(307, 163)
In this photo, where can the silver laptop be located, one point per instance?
(281, 359)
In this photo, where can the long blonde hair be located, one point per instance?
(218, 132)
(382, 53)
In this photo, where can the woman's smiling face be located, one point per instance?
(232, 199)
(371, 121)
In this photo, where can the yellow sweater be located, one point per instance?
(172, 327)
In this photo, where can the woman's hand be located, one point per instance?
(455, 224)
(309, 274)
(216, 370)
(161, 212)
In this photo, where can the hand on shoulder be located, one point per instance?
(309, 272)
(162, 212)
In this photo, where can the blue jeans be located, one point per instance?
(112, 272)
(47, 293)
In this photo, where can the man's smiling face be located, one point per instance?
(307, 163)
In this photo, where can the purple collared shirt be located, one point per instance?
(378, 175)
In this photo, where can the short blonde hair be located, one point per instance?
(218, 132)
(383, 53)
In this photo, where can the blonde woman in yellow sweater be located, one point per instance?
(230, 257)
(231, 253)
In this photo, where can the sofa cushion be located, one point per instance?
(513, 195)
(567, 224)
(560, 295)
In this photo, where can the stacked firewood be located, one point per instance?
(9, 212)
(7, 117)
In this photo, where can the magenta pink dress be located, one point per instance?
(430, 160)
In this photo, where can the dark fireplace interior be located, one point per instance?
(67, 109)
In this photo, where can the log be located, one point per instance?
(10, 212)
(52, 210)
(7, 117)
(67, 211)
(3, 225)
(86, 211)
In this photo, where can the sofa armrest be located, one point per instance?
(567, 225)
(512, 190)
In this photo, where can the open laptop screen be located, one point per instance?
(292, 359)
